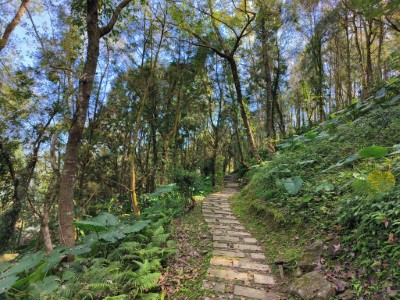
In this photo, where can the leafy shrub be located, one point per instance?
(117, 258)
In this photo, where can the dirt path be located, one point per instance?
(238, 268)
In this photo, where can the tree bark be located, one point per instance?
(269, 103)
(94, 33)
(13, 24)
(369, 37)
(66, 207)
(349, 90)
(360, 60)
(243, 112)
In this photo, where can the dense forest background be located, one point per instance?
(103, 101)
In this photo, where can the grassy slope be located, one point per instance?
(329, 203)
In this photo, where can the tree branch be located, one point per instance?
(106, 29)
(14, 22)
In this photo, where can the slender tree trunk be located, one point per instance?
(269, 103)
(368, 43)
(94, 33)
(360, 60)
(164, 161)
(66, 207)
(275, 89)
(13, 24)
(379, 63)
(243, 111)
(349, 91)
(214, 159)
(153, 172)
(48, 245)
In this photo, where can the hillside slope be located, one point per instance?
(330, 184)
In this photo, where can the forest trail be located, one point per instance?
(238, 266)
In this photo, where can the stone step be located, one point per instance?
(237, 269)
(254, 293)
(228, 274)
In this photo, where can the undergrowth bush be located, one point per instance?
(116, 257)
(320, 183)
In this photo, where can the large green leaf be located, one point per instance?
(7, 282)
(325, 186)
(163, 189)
(373, 152)
(292, 185)
(306, 162)
(78, 249)
(106, 219)
(90, 239)
(112, 236)
(138, 226)
(394, 101)
(67, 275)
(90, 225)
(27, 262)
(4, 266)
(45, 287)
(381, 93)
(350, 159)
(53, 260)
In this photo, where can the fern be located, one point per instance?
(381, 182)
(98, 286)
(360, 187)
(376, 184)
(149, 252)
(145, 282)
(148, 266)
(160, 239)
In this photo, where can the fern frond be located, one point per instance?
(158, 231)
(381, 182)
(149, 252)
(360, 187)
(129, 247)
(146, 282)
(148, 266)
(160, 239)
(98, 286)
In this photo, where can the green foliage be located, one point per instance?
(121, 259)
(185, 181)
(373, 152)
(291, 185)
(345, 187)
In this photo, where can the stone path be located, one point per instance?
(238, 269)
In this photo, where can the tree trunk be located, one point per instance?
(379, 63)
(48, 245)
(269, 103)
(14, 23)
(368, 44)
(243, 111)
(348, 63)
(360, 60)
(66, 206)
(164, 161)
(153, 172)
(214, 160)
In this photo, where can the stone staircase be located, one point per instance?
(238, 268)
